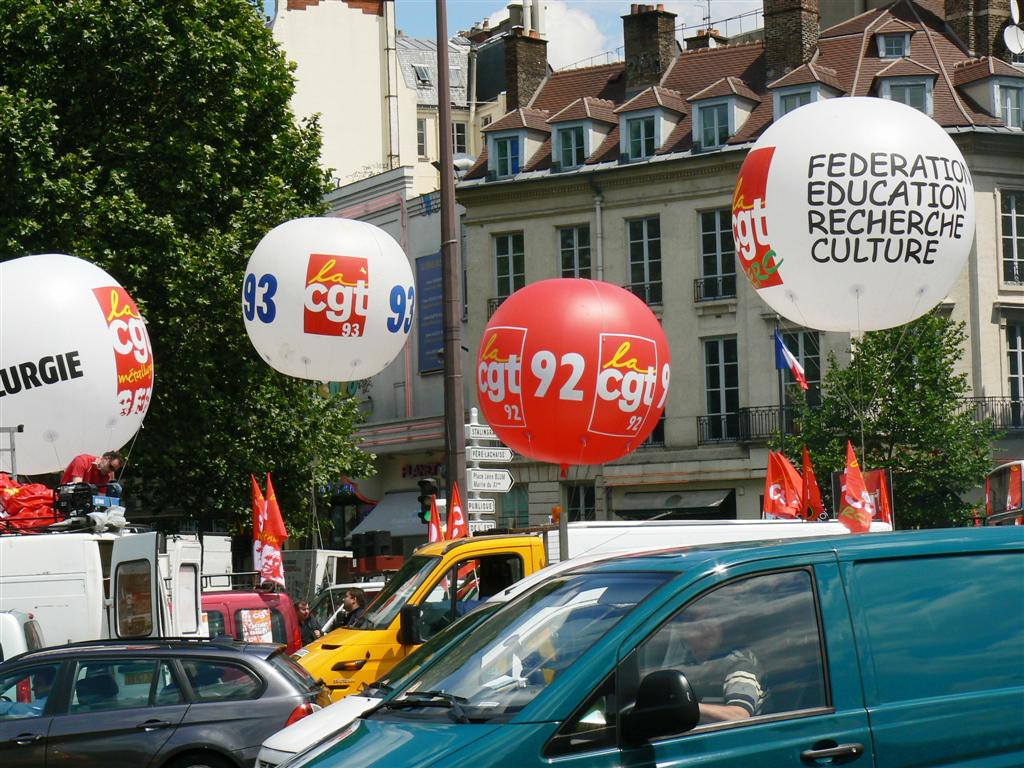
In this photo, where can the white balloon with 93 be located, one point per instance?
(853, 214)
(76, 363)
(328, 299)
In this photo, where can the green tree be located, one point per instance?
(902, 390)
(155, 138)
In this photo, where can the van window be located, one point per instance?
(186, 598)
(33, 635)
(260, 625)
(465, 586)
(134, 584)
(940, 626)
(750, 647)
(215, 619)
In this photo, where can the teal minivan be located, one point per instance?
(900, 649)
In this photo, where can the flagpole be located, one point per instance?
(782, 429)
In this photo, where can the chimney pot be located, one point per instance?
(661, 7)
(634, 9)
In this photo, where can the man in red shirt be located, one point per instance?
(98, 471)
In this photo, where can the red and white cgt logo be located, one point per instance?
(628, 377)
(132, 350)
(337, 295)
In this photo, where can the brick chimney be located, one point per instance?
(979, 25)
(650, 39)
(526, 66)
(705, 38)
(790, 34)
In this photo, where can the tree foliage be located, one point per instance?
(155, 138)
(902, 390)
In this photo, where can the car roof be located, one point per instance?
(159, 646)
(851, 547)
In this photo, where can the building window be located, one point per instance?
(722, 385)
(1010, 98)
(459, 138)
(580, 502)
(421, 137)
(805, 346)
(718, 255)
(790, 101)
(657, 436)
(510, 263)
(714, 125)
(485, 121)
(570, 147)
(422, 75)
(913, 93)
(1012, 216)
(893, 46)
(506, 152)
(645, 259)
(515, 508)
(574, 250)
(641, 137)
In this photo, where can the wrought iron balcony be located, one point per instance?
(649, 292)
(718, 428)
(493, 304)
(747, 425)
(714, 287)
(1005, 413)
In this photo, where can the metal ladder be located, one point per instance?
(11, 432)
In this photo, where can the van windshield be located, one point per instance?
(507, 661)
(397, 592)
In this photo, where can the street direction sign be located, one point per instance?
(480, 432)
(496, 455)
(475, 526)
(491, 480)
(479, 505)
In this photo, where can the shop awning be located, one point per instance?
(669, 505)
(397, 513)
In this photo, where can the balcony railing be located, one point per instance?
(1005, 413)
(718, 428)
(714, 287)
(650, 292)
(493, 304)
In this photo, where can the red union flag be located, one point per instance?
(499, 375)
(783, 488)
(434, 532)
(627, 376)
(856, 507)
(811, 507)
(750, 221)
(131, 348)
(337, 295)
(458, 526)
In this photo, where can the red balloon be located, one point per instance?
(573, 371)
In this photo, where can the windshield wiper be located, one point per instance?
(380, 686)
(429, 699)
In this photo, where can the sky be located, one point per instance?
(579, 32)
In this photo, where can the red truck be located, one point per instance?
(254, 615)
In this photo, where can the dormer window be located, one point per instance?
(571, 148)
(713, 120)
(422, 75)
(506, 155)
(792, 100)
(893, 46)
(1011, 97)
(642, 141)
(914, 92)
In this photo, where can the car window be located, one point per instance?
(260, 625)
(106, 685)
(167, 691)
(751, 647)
(591, 727)
(465, 586)
(24, 693)
(292, 671)
(216, 623)
(213, 680)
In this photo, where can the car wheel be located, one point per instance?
(199, 760)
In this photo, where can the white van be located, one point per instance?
(19, 632)
(90, 586)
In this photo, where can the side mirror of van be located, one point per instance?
(665, 705)
(409, 625)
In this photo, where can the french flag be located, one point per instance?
(785, 359)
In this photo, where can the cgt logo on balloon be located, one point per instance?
(337, 295)
(750, 220)
(628, 377)
(499, 374)
(131, 348)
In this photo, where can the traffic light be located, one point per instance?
(428, 491)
